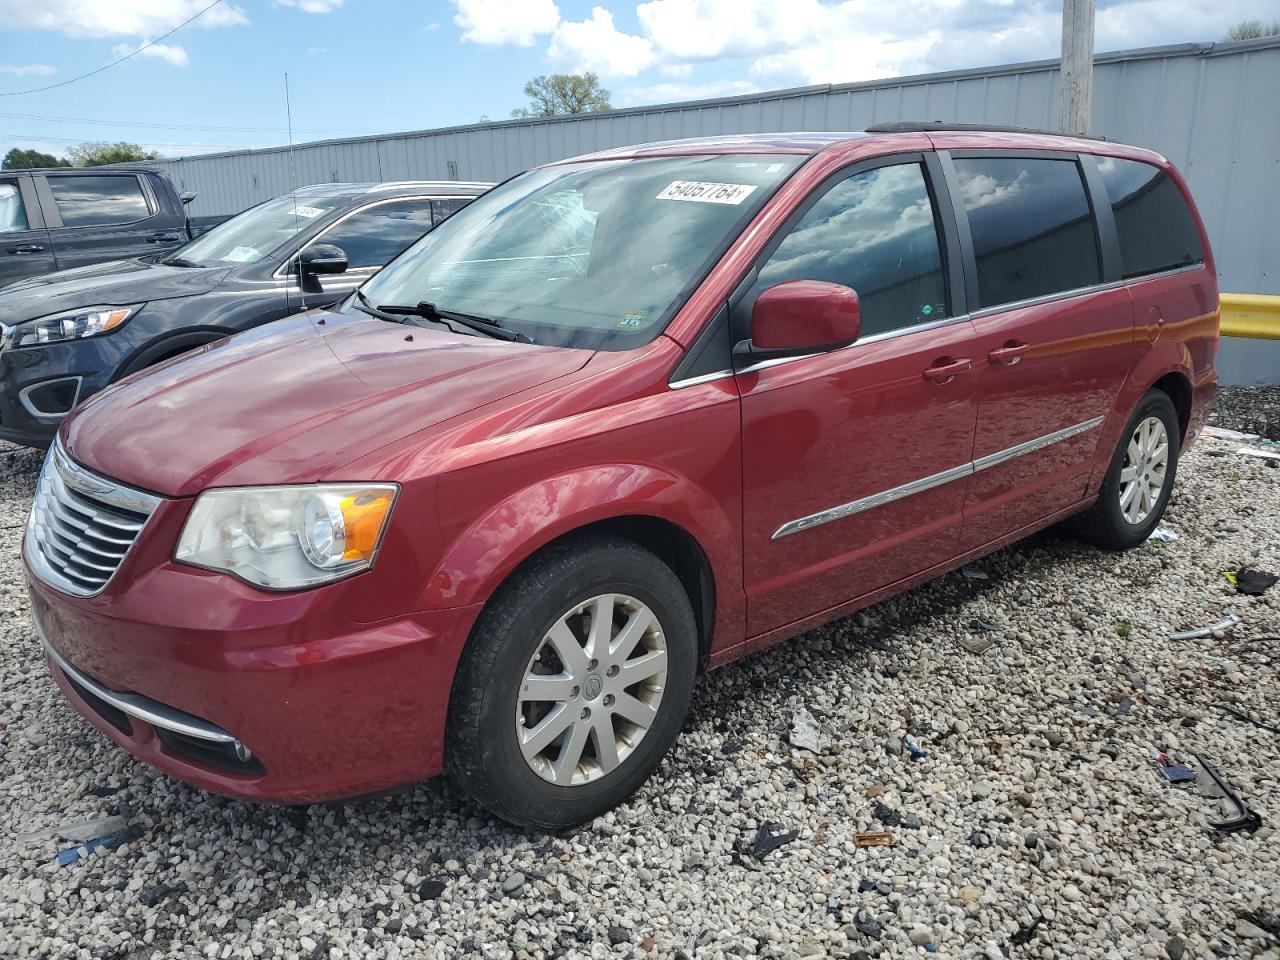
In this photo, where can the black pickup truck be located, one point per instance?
(63, 218)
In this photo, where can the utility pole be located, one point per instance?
(1076, 113)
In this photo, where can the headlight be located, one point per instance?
(70, 325)
(287, 538)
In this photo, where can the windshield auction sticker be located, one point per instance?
(731, 193)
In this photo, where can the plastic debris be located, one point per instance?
(1199, 633)
(977, 623)
(876, 789)
(1245, 820)
(1171, 771)
(1254, 583)
(974, 573)
(1260, 454)
(72, 854)
(885, 815)
(1222, 433)
(913, 748)
(1026, 934)
(1241, 715)
(874, 838)
(1163, 534)
(977, 645)
(804, 730)
(81, 831)
(770, 837)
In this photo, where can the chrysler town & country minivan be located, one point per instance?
(623, 418)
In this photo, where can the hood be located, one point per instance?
(118, 283)
(295, 400)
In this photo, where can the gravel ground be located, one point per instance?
(1037, 825)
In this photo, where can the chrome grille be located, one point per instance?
(82, 525)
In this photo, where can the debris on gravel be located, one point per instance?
(1040, 747)
(1249, 410)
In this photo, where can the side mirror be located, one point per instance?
(799, 317)
(187, 196)
(322, 258)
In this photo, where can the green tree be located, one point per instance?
(1252, 30)
(562, 94)
(95, 153)
(19, 159)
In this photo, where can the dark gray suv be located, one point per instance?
(65, 336)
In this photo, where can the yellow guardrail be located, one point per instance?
(1252, 315)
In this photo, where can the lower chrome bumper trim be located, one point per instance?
(143, 708)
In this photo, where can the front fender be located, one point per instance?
(498, 541)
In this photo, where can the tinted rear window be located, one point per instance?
(97, 201)
(1033, 232)
(1156, 228)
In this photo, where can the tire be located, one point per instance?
(1114, 523)
(511, 652)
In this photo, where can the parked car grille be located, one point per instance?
(82, 525)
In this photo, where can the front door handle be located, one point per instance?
(1010, 353)
(163, 238)
(947, 369)
(27, 248)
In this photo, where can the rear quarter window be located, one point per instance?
(1033, 231)
(1156, 228)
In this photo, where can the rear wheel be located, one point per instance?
(1139, 479)
(574, 684)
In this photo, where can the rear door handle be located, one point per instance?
(947, 369)
(163, 238)
(1009, 354)
(27, 248)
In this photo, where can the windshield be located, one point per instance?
(598, 254)
(250, 236)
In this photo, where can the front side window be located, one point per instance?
(874, 232)
(250, 236)
(375, 235)
(1156, 228)
(98, 201)
(13, 215)
(597, 254)
(1033, 231)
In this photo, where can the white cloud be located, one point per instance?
(313, 6)
(597, 45)
(433, 25)
(27, 69)
(317, 51)
(113, 18)
(169, 53)
(783, 42)
(498, 22)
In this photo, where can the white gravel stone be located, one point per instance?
(1044, 737)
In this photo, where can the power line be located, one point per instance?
(149, 43)
(172, 126)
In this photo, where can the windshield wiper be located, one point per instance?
(180, 262)
(429, 311)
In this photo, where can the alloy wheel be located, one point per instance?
(592, 689)
(1145, 469)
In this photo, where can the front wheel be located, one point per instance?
(1139, 480)
(574, 684)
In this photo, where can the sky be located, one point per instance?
(360, 67)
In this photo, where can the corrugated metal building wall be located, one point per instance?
(1211, 108)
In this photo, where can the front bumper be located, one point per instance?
(40, 385)
(268, 700)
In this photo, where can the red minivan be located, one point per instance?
(622, 419)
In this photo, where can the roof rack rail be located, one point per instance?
(925, 126)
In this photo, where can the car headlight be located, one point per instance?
(287, 538)
(70, 325)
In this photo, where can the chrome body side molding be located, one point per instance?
(933, 480)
